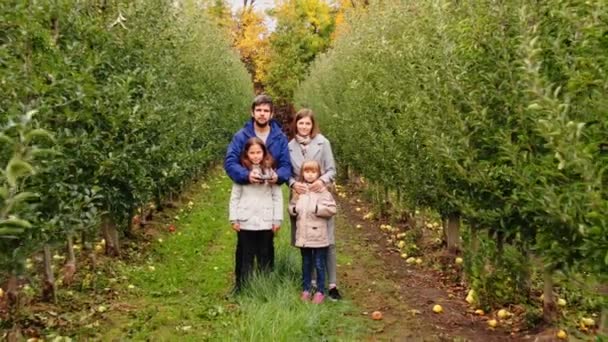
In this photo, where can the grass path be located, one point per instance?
(180, 292)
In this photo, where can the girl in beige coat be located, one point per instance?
(312, 211)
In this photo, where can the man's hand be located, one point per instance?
(300, 188)
(236, 227)
(317, 186)
(254, 177)
(275, 229)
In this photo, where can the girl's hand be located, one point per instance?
(274, 179)
(317, 186)
(236, 227)
(300, 188)
(254, 177)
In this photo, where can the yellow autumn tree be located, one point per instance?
(250, 37)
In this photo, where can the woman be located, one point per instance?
(309, 144)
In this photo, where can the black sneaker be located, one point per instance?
(334, 294)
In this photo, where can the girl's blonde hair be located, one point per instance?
(310, 165)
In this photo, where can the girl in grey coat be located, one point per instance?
(309, 144)
(256, 212)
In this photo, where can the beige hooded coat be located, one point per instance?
(312, 211)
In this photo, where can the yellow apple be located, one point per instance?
(502, 314)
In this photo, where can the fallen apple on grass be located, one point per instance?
(377, 315)
(437, 309)
(502, 314)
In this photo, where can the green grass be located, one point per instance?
(182, 289)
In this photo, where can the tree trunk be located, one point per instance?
(12, 295)
(452, 233)
(603, 326)
(69, 269)
(549, 307)
(604, 322)
(15, 335)
(110, 234)
(129, 231)
(48, 280)
(87, 249)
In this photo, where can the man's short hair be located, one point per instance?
(260, 100)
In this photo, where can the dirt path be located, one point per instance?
(374, 276)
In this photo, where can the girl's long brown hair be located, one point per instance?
(267, 161)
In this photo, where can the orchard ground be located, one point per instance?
(175, 285)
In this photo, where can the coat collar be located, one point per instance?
(275, 129)
(314, 148)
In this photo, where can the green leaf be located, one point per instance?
(38, 132)
(15, 223)
(10, 232)
(41, 152)
(16, 169)
(3, 192)
(23, 196)
(6, 139)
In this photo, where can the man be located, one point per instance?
(269, 130)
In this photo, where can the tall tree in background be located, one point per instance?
(250, 38)
(220, 12)
(304, 29)
(345, 8)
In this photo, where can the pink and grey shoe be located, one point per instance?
(305, 296)
(318, 298)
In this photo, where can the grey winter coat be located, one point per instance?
(319, 149)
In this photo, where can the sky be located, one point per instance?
(259, 6)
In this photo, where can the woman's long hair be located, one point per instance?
(267, 161)
(304, 113)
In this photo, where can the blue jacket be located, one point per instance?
(276, 143)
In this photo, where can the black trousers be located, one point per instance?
(251, 246)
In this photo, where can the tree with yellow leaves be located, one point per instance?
(250, 37)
